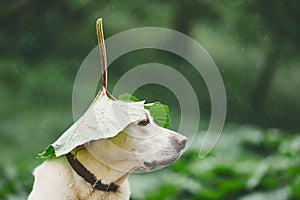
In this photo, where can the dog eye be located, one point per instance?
(144, 122)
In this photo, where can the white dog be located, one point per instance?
(100, 168)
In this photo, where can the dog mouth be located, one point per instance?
(179, 146)
(153, 164)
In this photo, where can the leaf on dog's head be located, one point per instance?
(158, 111)
(105, 118)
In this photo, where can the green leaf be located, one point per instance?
(49, 152)
(158, 111)
(128, 97)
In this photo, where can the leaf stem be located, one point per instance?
(101, 44)
(103, 58)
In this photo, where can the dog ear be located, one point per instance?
(79, 148)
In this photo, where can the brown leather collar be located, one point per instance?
(89, 177)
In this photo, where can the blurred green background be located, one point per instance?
(255, 44)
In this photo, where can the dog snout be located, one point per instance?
(180, 141)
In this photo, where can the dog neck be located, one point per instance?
(102, 172)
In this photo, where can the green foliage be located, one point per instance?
(233, 170)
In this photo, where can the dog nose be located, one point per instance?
(180, 141)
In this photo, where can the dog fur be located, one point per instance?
(142, 145)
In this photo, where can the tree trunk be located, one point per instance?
(260, 91)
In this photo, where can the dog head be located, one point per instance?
(142, 144)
